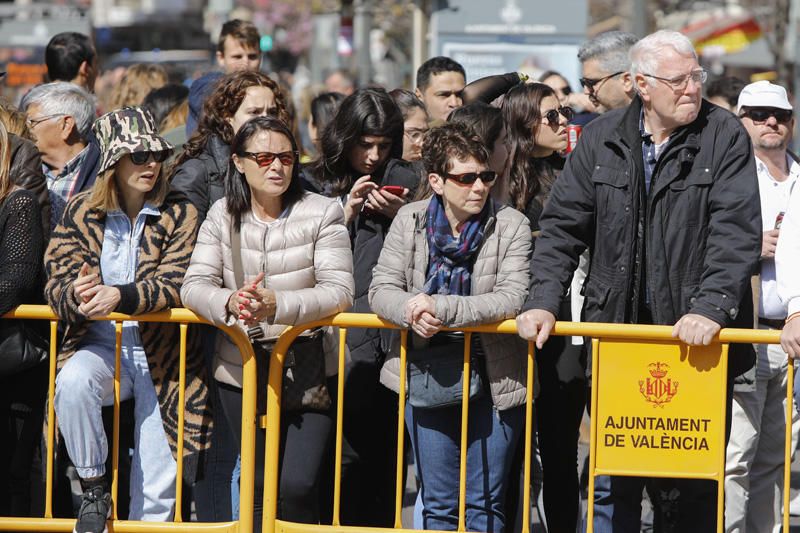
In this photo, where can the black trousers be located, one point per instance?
(559, 410)
(22, 399)
(305, 440)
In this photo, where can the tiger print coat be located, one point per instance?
(165, 249)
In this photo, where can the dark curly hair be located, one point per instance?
(451, 141)
(223, 103)
(365, 112)
(237, 192)
(529, 177)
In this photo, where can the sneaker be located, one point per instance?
(95, 511)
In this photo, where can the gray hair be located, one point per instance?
(64, 98)
(610, 50)
(645, 54)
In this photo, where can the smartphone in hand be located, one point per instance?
(396, 190)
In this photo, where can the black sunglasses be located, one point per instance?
(265, 159)
(762, 114)
(140, 158)
(468, 178)
(589, 83)
(552, 115)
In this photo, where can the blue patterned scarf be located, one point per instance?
(450, 258)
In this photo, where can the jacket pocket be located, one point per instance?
(688, 197)
(595, 298)
(612, 196)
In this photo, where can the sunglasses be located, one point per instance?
(468, 178)
(589, 83)
(762, 114)
(265, 159)
(552, 115)
(141, 158)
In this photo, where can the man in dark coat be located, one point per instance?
(665, 196)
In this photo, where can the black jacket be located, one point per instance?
(693, 242)
(26, 171)
(202, 179)
(370, 231)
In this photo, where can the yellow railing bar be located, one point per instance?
(592, 438)
(401, 433)
(787, 458)
(115, 443)
(526, 473)
(337, 476)
(184, 329)
(247, 478)
(51, 419)
(462, 469)
(722, 456)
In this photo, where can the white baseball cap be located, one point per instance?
(763, 94)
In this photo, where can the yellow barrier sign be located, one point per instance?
(662, 411)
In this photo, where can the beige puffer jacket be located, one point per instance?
(307, 260)
(499, 287)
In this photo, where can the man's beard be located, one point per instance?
(772, 144)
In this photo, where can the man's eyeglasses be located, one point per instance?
(265, 159)
(759, 115)
(679, 83)
(415, 134)
(141, 158)
(552, 116)
(590, 83)
(31, 122)
(468, 178)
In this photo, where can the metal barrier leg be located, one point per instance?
(115, 437)
(401, 423)
(721, 464)
(787, 458)
(337, 474)
(181, 416)
(592, 439)
(462, 471)
(526, 476)
(51, 419)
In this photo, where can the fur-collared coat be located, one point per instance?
(164, 252)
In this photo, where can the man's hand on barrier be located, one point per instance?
(790, 339)
(695, 330)
(536, 324)
(103, 300)
(426, 326)
(84, 282)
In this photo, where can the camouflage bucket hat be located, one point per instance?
(125, 131)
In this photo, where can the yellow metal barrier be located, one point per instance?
(709, 365)
(710, 362)
(183, 317)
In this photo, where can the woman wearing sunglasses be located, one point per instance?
(454, 260)
(238, 97)
(536, 124)
(293, 265)
(124, 246)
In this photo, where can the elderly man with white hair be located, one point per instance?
(60, 117)
(661, 193)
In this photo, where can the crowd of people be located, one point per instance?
(450, 206)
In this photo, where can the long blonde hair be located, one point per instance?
(6, 184)
(105, 193)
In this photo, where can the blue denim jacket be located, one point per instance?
(118, 262)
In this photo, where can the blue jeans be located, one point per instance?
(492, 437)
(83, 386)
